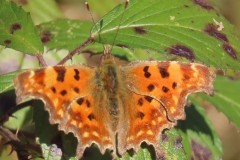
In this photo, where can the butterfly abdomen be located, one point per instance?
(106, 90)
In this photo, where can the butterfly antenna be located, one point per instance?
(118, 27)
(93, 21)
(91, 15)
(89, 11)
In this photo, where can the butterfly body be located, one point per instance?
(109, 93)
(116, 107)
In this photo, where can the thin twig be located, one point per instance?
(41, 60)
(7, 134)
(21, 148)
(76, 50)
(12, 110)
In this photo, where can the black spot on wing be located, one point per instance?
(60, 73)
(77, 74)
(146, 73)
(76, 89)
(63, 92)
(80, 101)
(164, 73)
(53, 89)
(150, 87)
(140, 101)
(140, 115)
(88, 103)
(165, 89)
(182, 51)
(91, 117)
(174, 85)
(148, 98)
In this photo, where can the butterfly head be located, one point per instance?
(107, 57)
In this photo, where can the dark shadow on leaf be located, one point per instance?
(150, 149)
(8, 107)
(194, 121)
(69, 145)
(7, 101)
(94, 153)
(49, 133)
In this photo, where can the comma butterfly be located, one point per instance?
(115, 107)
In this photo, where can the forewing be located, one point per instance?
(66, 92)
(169, 82)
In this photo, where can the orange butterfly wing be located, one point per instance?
(67, 94)
(150, 97)
(146, 119)
(159, 93)
(170, 83)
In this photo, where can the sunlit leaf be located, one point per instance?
(6, 81)
(227, 98)
(64, 34)
(42, 11)
(17, 30)
(177, 27)
(200, 140)
(51, 152)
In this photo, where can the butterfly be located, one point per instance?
(116, 107)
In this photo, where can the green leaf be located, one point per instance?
(64, 34)
(176, 27)
(20, 119)
(51, 152)
(125, 53)
(172, 145)
(68, 34)
(103, 7)
(42, 11)
(200, 140)
(49, 135)
(44, 130)
(226, 98)
(6, 81)
(17, 30)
